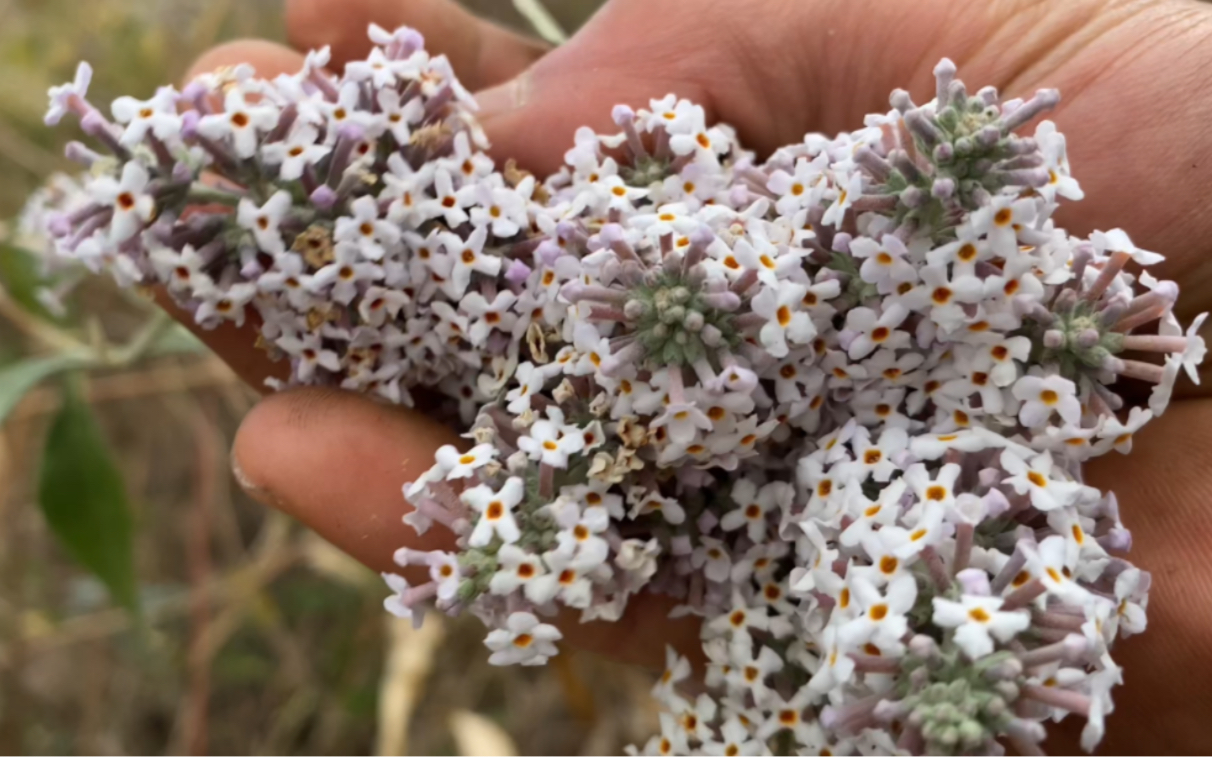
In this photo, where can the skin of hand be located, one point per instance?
(1134, 77)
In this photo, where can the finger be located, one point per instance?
(481, 52)
(1166, 701)
(337, 462)
(234, 344)
(532, 118)
(268, 58)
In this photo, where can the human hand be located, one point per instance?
(334, 460)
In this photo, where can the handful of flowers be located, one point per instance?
(834, 403)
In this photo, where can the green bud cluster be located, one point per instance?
(961, 708)
(674, 324)
(1078, 341)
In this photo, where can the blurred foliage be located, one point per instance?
(253, 636)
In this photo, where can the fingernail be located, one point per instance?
(504, 98)
(264, 496)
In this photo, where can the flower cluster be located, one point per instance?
(835, 403)
(357, 217)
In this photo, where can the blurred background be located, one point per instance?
(146, 605)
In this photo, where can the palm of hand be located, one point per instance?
(790, 67)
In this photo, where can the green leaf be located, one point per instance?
(19, 270)
(176, 340)
(20, 377)
(84, 499)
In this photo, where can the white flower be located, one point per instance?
(566, 578)
(157, 115)
(1052, 145)
(378, 304)
(400, 117)
(866, 514)
(550, 442)
(490, 316)
(447, 202)
(496, 511)
(310, 353)
(1196, 349)
(63, 96)
(1043, 396)
(849, 187)
(977, 621)
(501, 209)
(779, 305)
(296, 152)
(798, 190)
(759, 254)
(395, 603)
(1000, 221)
(468, 256)
(1034, 477)
(1116, 435)
(704, 144)
(1051, 561)
(752, 506)
(239, 122)
(264, 221)
(181, 271)
(580, 531)
(837, 666)
(132, 208)
(445, 572)
(371, 235)
(940, 489)
(1116, 240)
(876, 331)
(219, 304)
(682, 420)
(884, 262)
(523, 641)
(882, 618)
(515, 567)
(530, 378)
(735, 739)
(457, 464)
(674, 115)
(341, 278)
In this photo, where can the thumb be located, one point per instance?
(337, 462)
(532, 117)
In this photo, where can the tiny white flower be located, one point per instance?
(779, 305)
(882, 619)
(515, 567)
(239, 122)
(496, 512)
(884, 262)
(1044, 395)
(264, 221)
(372, 236)
(309, 351)
(523, 641)
(296, 152)
(132, 208)
(977, 621)
(444, 571)
(1116, 240)
(157, 115)
(550, 442)
(1035, 477)
(455, 464)
(63, 96)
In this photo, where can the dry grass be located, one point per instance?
(257, 637)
